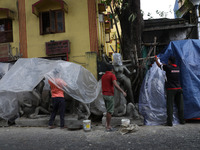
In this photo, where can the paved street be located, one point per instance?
(183, 137)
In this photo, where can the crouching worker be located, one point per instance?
(173, 90)
(58, 100)
(108, 82)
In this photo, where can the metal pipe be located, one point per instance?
(197, 19)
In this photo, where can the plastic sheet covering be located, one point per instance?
(4, 67)
(97, 107)
(152, 101)
(187, 53)
(25, 74)
(117, 59)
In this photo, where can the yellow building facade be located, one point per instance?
(9, 30)
(109, 39)
(52, 29)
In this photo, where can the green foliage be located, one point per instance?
(115, 2)
(149, 15)
(161, 13)
(107, 2)
(178, 13)
(125, 6)
(118, 3)
(132, 17)
(187, 5)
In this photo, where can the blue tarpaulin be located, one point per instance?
(187, 53)
(152, 101)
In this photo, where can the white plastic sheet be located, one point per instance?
(26, 73)
(97, 107)
(117, 59)
(4, 67)
(152, 101)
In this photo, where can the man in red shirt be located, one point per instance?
(58, 100)
(108, 82)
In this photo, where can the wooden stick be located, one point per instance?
(127, 61)
(154, 47)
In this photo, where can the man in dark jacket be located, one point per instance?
(173, 89)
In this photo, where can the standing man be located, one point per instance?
(58, 100)
(173, 89)
(108, 83)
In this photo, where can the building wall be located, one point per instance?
(76, 31)
(80, 30)
(12, 6)
(102, 35)
(113, 35)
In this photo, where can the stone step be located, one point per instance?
(3, 123)
(71, 123)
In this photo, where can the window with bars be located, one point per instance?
(52, 22)
(6, 31)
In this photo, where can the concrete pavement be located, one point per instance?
(183, 137)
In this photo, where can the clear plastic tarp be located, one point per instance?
(152, 101)
(26, 73)
(117, 59)
(97, 107)
(4, 67)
